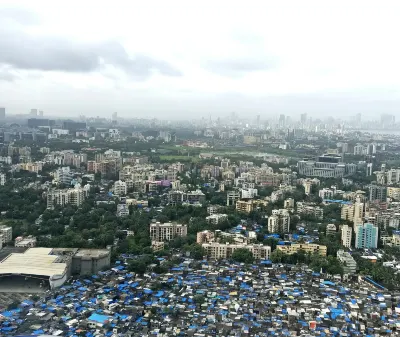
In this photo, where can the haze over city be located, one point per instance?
(180, 59)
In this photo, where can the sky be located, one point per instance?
(186, 59)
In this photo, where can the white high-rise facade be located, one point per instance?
(346, 236)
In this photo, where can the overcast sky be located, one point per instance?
(174, 59)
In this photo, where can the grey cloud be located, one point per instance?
(6, 74)
(21, 50)
(18, 15)
(239, 67)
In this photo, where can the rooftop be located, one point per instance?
(91, 252)
(35, 261)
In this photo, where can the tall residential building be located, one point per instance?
(366, 236)
(167, 231)
(232, 197)
(120, 188)
(74, 196)
(353, 212)
(216, 250)
(279, 223)
(2, 113)
(358, 212)
(347, 233)
(369, 169)
(360, 150)
(63, 175)
(377, 193)
(2, 179)
(5, 234)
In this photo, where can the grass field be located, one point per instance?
(181, 158)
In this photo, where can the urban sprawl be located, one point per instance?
(208, 227)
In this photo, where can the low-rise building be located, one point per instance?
(205, 236)
(135, 202)
(216, 250)
(122, 210)
(26, 242)
(311, 248)
(331, 229)
(393, 240)
(348, 262)
(245, 206)
(156, 246)
(288, 203)
(304, 208)
(215, 219)
(90, 261)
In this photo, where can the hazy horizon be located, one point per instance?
(183, 60)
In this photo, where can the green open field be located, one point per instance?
(181, 158)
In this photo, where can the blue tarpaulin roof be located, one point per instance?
(99, 318)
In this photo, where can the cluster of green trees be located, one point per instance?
(21, 203)
(243, 255)
(149, 262)
(377, 271)
(328, 264)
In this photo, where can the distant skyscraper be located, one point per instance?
(258, 119)
(41, 113)
(282, 119)
(33, 112)
(2, 113)
(387, 120)
(115, 116)
(366, 236)
(357, 118)
(303, 118)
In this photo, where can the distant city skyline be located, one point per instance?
(180, 60)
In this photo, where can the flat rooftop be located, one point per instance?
(25, 241)
(92, 252)
(35, 261)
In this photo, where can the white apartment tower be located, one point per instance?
(2, 179)
(279, 223)
(120, 188)
(167, 231)
(74, 196)
(347, 233)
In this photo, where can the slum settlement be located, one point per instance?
(209, 299)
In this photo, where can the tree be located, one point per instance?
(198, 299)
(196, 251)
(277, 256)
(137, 266)
(243, 255)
